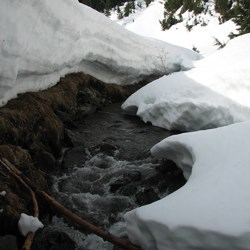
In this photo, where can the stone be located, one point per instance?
(66, 119)
(49, 238)
(146, 196)
(45, 161)
(105, 148)
(8, 242)
(74, 157)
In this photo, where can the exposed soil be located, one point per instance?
(33, 133)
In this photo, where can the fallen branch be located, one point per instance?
(16, 173)
(87, 225)
(106, 236)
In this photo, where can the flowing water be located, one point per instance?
(110, 171)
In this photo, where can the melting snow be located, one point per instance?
(214, 93)
(40, 42)
(28, 224)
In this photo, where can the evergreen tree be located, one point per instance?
(107, 8)
(168, 22)
(218, 43)
(172, 6)
(187, 5)
(148, 2)
(133, 4)
(242, 16)
(128, 8)
(223, 7)
(119, 13)
(100, 5)
(198, 6)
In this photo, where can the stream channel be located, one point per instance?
(110, 171)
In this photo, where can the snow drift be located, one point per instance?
(43, 40)
(214, 93)
(212, 210)
(205, 27)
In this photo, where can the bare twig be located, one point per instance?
(60, 208)
(87, 225)
(16, 173)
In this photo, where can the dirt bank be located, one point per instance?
(32, 135)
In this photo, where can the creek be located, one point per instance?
(110, 171)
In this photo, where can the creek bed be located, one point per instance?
(110, 171)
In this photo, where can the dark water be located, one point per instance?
(110, 171)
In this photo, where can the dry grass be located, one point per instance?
(29, 125)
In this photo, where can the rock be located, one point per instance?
(74, 157)
(117, 184)
(48, 238)
(9, 219)
(129, 190)
(66, 119)
(166, 166)
(8, 242)
(134, 176)
(67, 141)
(105, 148)
(45, 161)
(146, 196)
(126, 179)
(85, 109)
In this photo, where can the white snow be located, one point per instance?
(211, 211)
(43, 40)
(40, 41)
(28, 224)
(146, 22)
(3, 193)
(214, 93)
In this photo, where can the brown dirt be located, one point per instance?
(30, 127)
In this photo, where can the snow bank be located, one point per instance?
(214, 93)
(212, 210)
(205, 27)
(43, 40)
(28, 224)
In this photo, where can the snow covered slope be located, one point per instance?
(203, 27)
(214, 93)
(212, 210)
(43, 40)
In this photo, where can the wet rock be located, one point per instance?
(126, 179)
(74, 157)
(45, 161)
(105, 148)
(129, 190)
(66, 119)
(8, 242)
(117, 184)
(166, 166)
(146, 196)
(134, 176)
(67, 141)
(49, 239)
(85, 110)
(36, 122)
(9, 219)
(102, 161)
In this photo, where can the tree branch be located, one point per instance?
(16, 173)
(61, 209)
